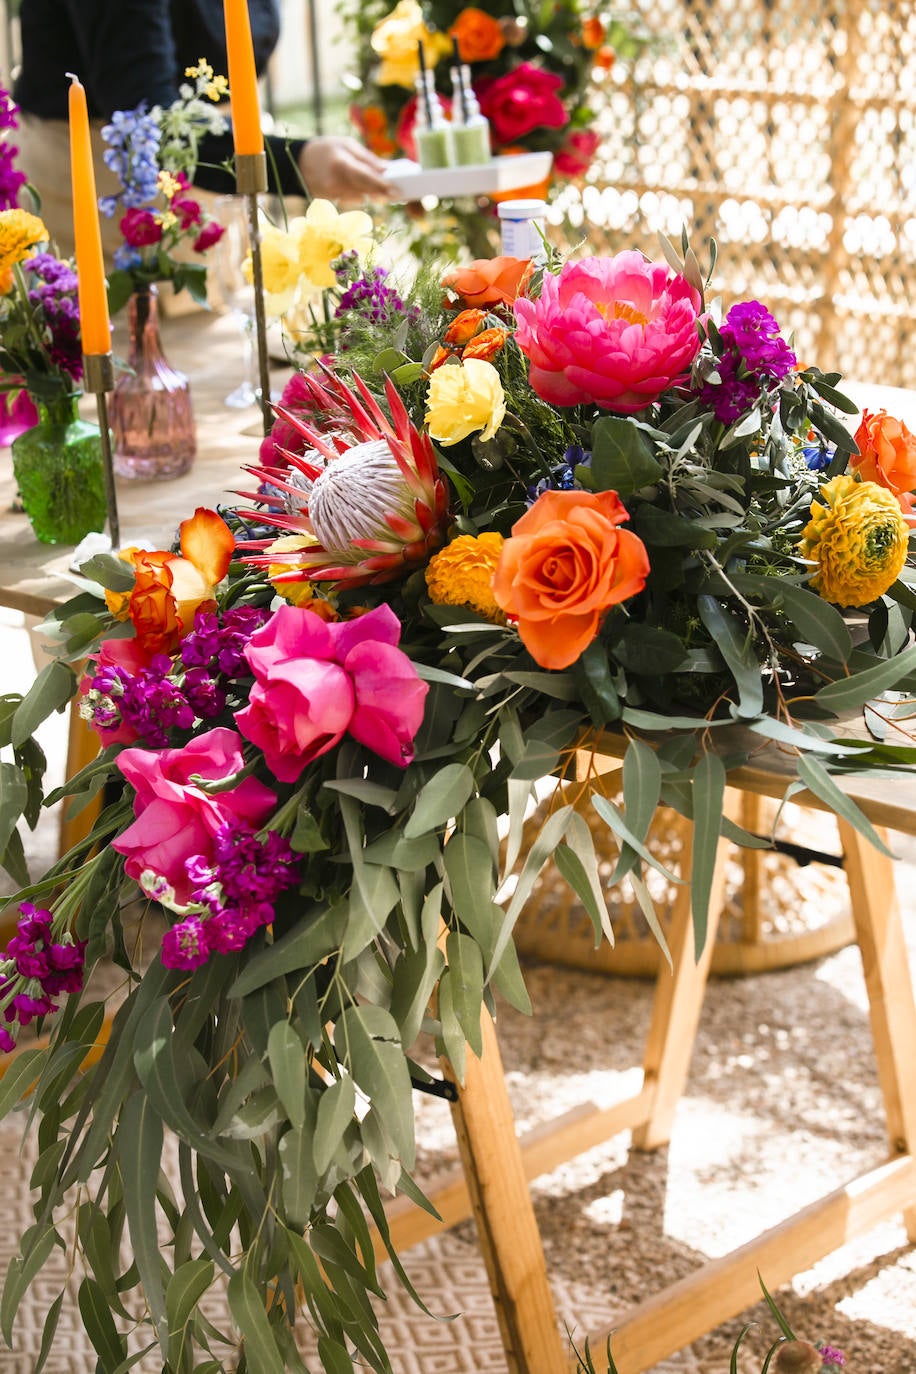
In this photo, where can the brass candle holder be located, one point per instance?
(250, 182)
(98, 377)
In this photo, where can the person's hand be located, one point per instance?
(341, 169)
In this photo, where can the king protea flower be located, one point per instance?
(368, 495)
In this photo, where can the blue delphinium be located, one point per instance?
(133, 139)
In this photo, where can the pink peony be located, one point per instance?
(175, 818)
(140, 228)
(211, 233)
(314, 682)
(613, 331)
(575, 156)
(522, 100)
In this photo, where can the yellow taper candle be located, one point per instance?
(90, 268)
(243, 79)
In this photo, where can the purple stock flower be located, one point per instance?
(830, 1355)
(11, 179)
(53, 292)
(234, 894)
(37, 968)
(370, 299)
(755, 356)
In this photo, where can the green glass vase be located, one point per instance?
(60, 472)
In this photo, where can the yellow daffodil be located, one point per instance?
(280, 268)
(325, 234)
(461, 574)
(20, 232)
(464, 398)
(395, 40)
(857, 539)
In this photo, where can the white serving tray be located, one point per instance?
(499, 174)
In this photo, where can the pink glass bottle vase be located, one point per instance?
(152, 419)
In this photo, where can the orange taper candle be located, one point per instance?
(90, 268)
(243, 79)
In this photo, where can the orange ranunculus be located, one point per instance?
(887, 452)
(490, 281)
(440, 356)
(605, 58)
(593, 32)
(463, 327)
(478, 35)
(485, 345)
(169, 589)
(565, 564)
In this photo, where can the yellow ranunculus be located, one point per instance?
(461, 574)
(858, 541)
(464, 398)
(324, 234)
(395, 40)
(20, 232)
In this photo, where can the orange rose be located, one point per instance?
(592, 32)
(440, 356)
(485, 345)
(478, 36)
(564, 566)
(490, 281)
(169, 589)
(887, 452)
(464, 326)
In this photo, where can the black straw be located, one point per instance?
(426, 100)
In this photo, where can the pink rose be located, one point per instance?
(522, 100)
(616, 332)
(140, 228)
(211, 233)
(175, 818)
(315, 681)
(575, 156)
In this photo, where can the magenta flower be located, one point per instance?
(616, 332)
(175, 818)
(576, 154)
(140, 228)
(524, 99)
(16, 415)
(315, 682)
(211, 233)
(187, 210)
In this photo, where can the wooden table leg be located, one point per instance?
(508, 1232)
(677, 1004)
(879, 932)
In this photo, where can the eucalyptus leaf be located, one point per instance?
(466, 969)
(298, 1175)
(50, 692)
(440, 799)
(99, 1326)
(246, 1303)
(139, 1139)
(851, 692)
(286, 1054)
(708, 797)
(336, 1108)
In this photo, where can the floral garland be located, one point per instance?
(513, 509)
(532, 67)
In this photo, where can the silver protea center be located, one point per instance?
(353, 494)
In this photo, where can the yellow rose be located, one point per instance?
(395, 40)
(857, 540)
(464, 398)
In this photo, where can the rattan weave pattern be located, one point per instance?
(787, 132)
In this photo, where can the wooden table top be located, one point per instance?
(208, 348)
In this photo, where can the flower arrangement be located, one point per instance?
(532, 66)
(153, 152)
(39, 312)
(524, 508)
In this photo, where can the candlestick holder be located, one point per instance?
(98, 377)
(250, 181)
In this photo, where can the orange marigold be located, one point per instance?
(461, 574)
